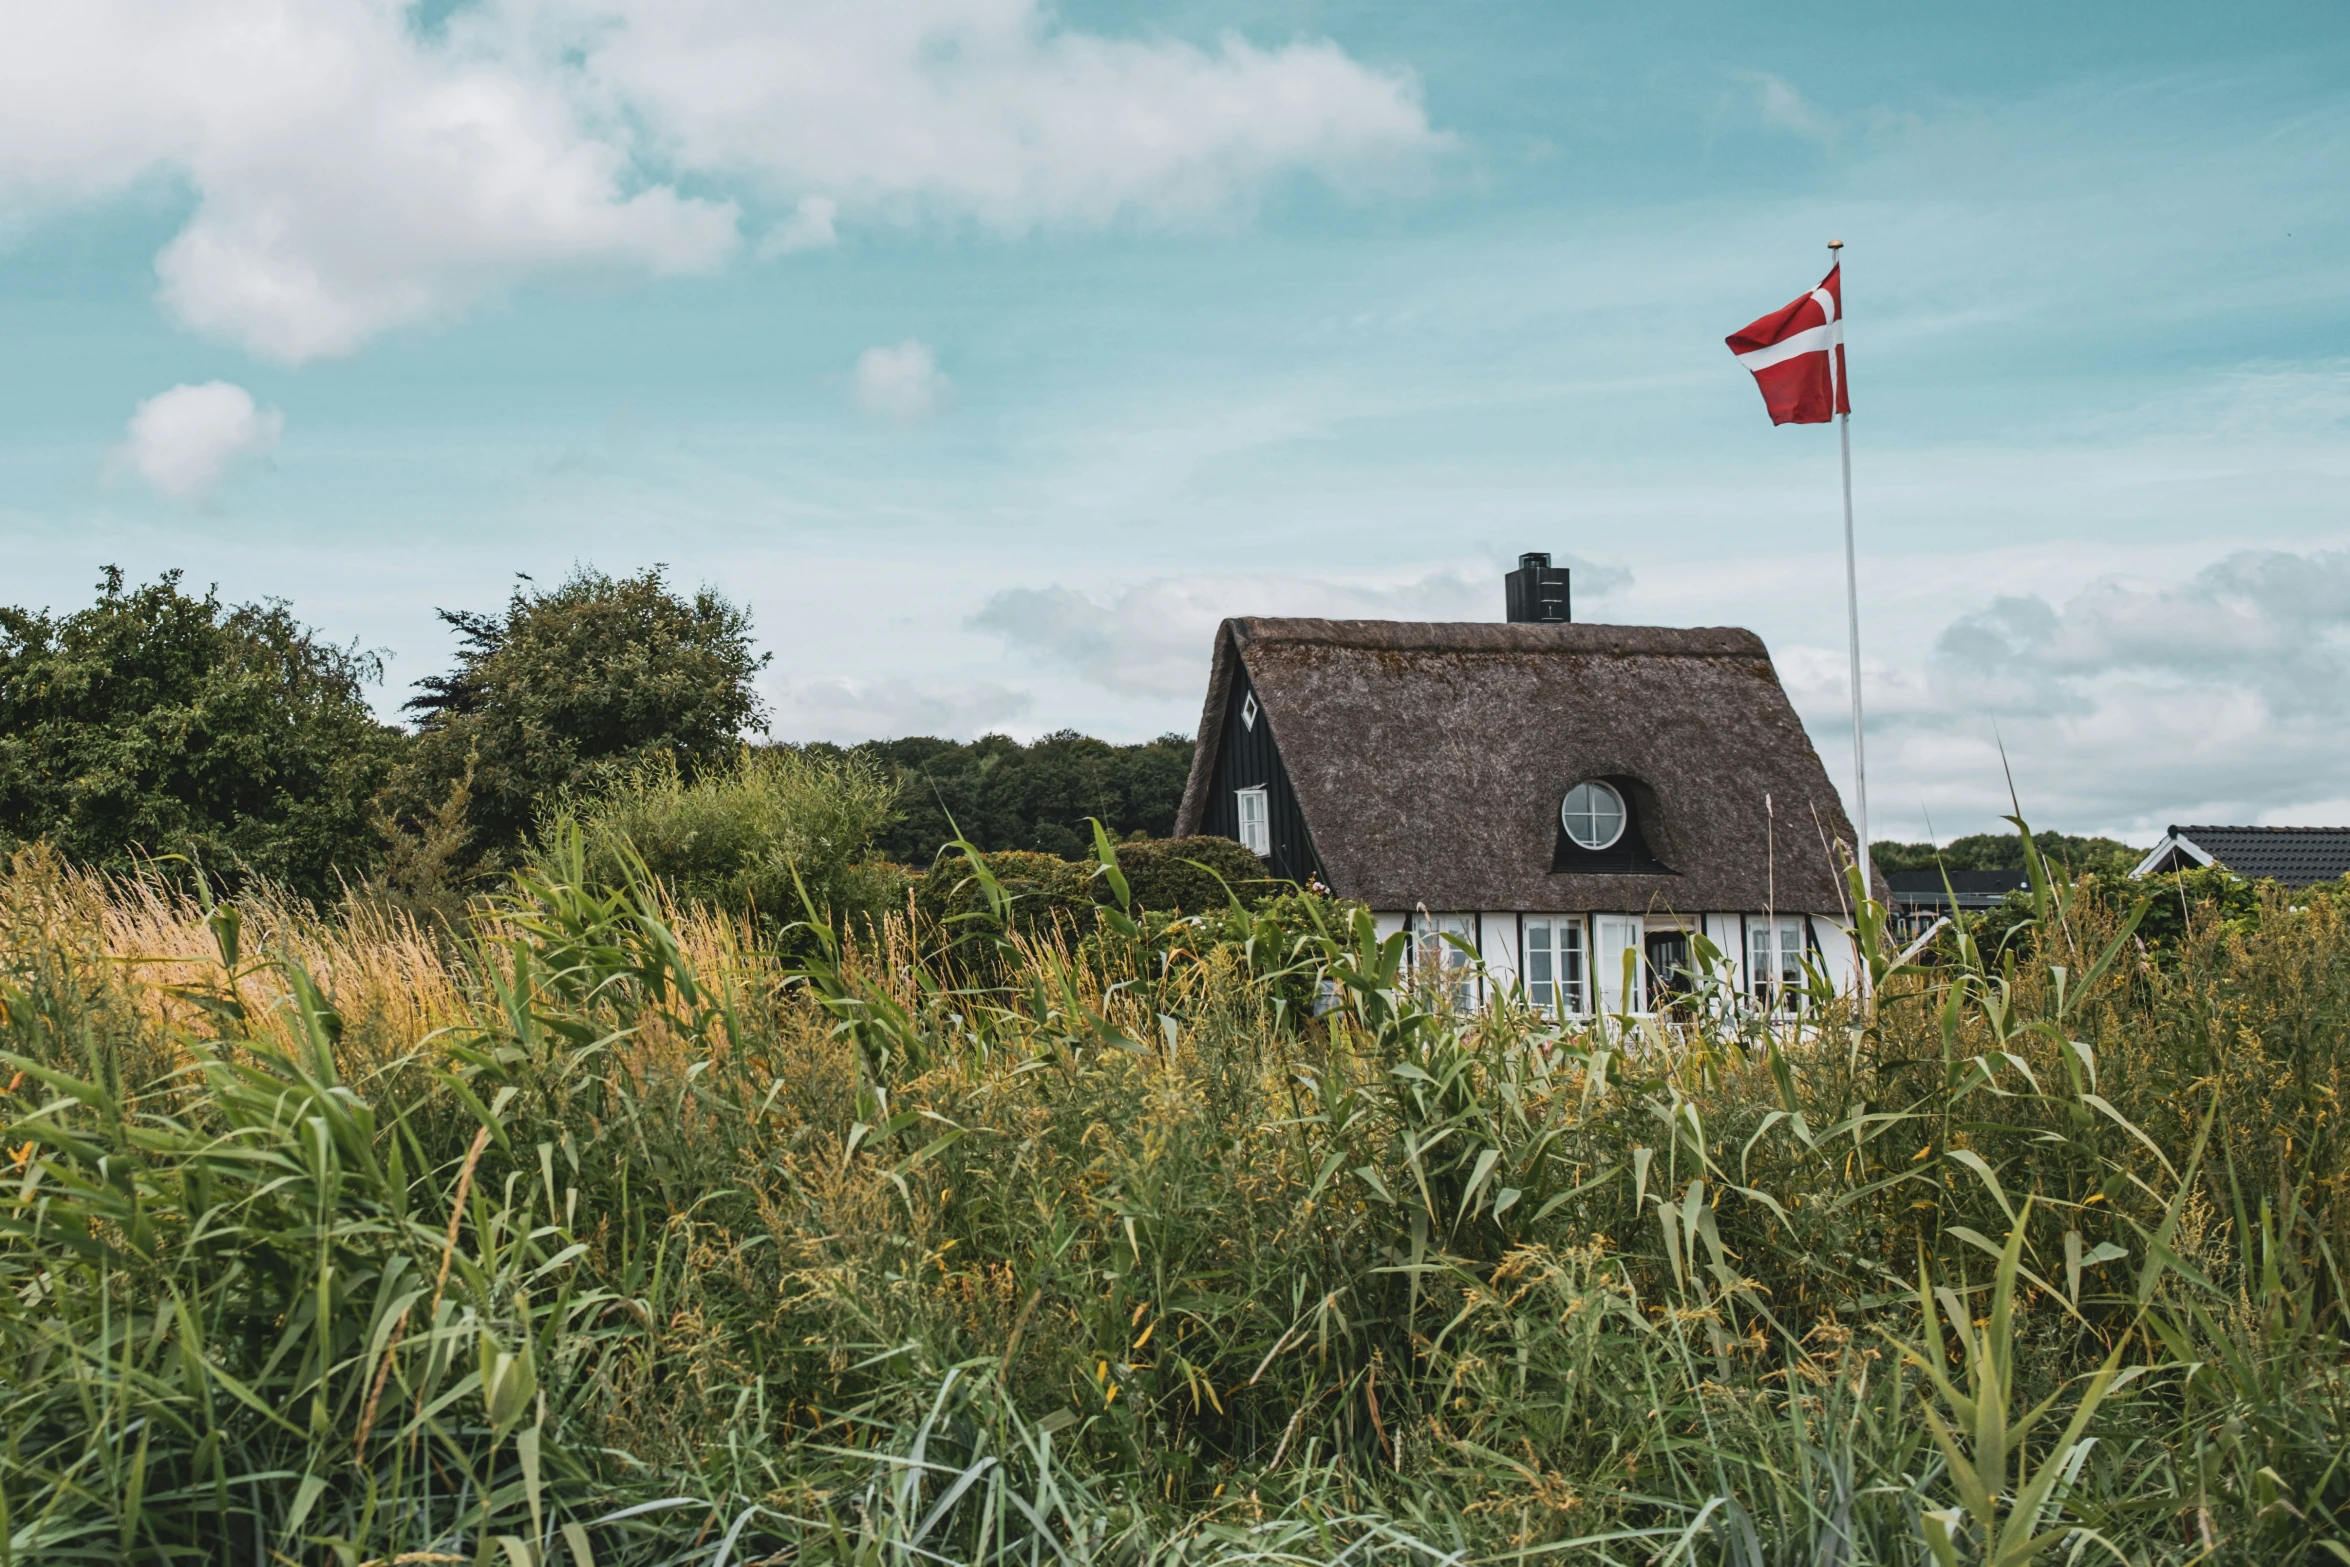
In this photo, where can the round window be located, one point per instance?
(1593, 815)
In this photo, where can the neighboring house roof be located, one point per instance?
(1973, 889)
(2295, 856)
(1430, 760)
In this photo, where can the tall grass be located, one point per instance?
(610, 1235)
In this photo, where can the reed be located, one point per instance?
(617, 1232)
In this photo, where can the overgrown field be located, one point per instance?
(606, 1234)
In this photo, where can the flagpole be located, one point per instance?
(1860, 763)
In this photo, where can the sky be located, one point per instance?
(989, 351)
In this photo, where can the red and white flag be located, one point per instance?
(1797, 356)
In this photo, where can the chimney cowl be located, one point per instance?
(1537, 591)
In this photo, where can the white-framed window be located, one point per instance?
(1552, 965)
(1774, 962)
(1248, 711)
(1256, 821)
(1619, 955)
(1593, 815)
(1450, 963)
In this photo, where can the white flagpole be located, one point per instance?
(1860, 764)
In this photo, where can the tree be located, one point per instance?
(571, 688)
(1001, 794)
(2004, 851)
(154, 723)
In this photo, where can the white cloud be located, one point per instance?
(2125, 706)
(187, 442)
(987, 109)
(353, 173)
(1154, 638)
(350, 176)
(845, 711)
(902, 381)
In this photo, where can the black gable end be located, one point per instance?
(1248, 757)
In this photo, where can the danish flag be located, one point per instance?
(1797, 356)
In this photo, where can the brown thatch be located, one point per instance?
(1430, 760)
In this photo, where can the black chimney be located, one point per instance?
(1538, 591)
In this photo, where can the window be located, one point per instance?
(1256, 822)
(1248, 711)
(1438, 959)
(1553, 965)
(1593, 815)
(1774, 968)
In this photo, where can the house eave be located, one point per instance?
(2173, 842)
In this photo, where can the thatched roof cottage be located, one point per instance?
(1558, 796)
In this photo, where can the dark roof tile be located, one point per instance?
(2295, 856)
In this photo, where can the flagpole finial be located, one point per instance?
(1835, 244)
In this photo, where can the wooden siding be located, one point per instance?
(1247, 757)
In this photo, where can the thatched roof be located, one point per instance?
(1430, 760)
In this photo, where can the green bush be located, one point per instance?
(2180, 906)
(736, 836)
(1166, 878)
(1181, 875)
(1042, 894)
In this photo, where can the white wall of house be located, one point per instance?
(1608, 936)
(1838, 955)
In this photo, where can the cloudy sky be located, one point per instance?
(991, 350)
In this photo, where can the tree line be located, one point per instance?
(156, 726)
(159, 726)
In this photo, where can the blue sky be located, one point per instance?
(990, 352)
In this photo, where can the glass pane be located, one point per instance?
(1593, 815)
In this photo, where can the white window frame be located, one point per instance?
(1777, 985)
(1253, 813)
(1568, 815)
(1554, 964)
(1430, 951)
(1612, 935)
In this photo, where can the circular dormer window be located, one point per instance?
(1593, 815)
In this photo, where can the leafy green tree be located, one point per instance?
(2004, 851)
(1000, 794)
(572, 688)
(155, 723)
